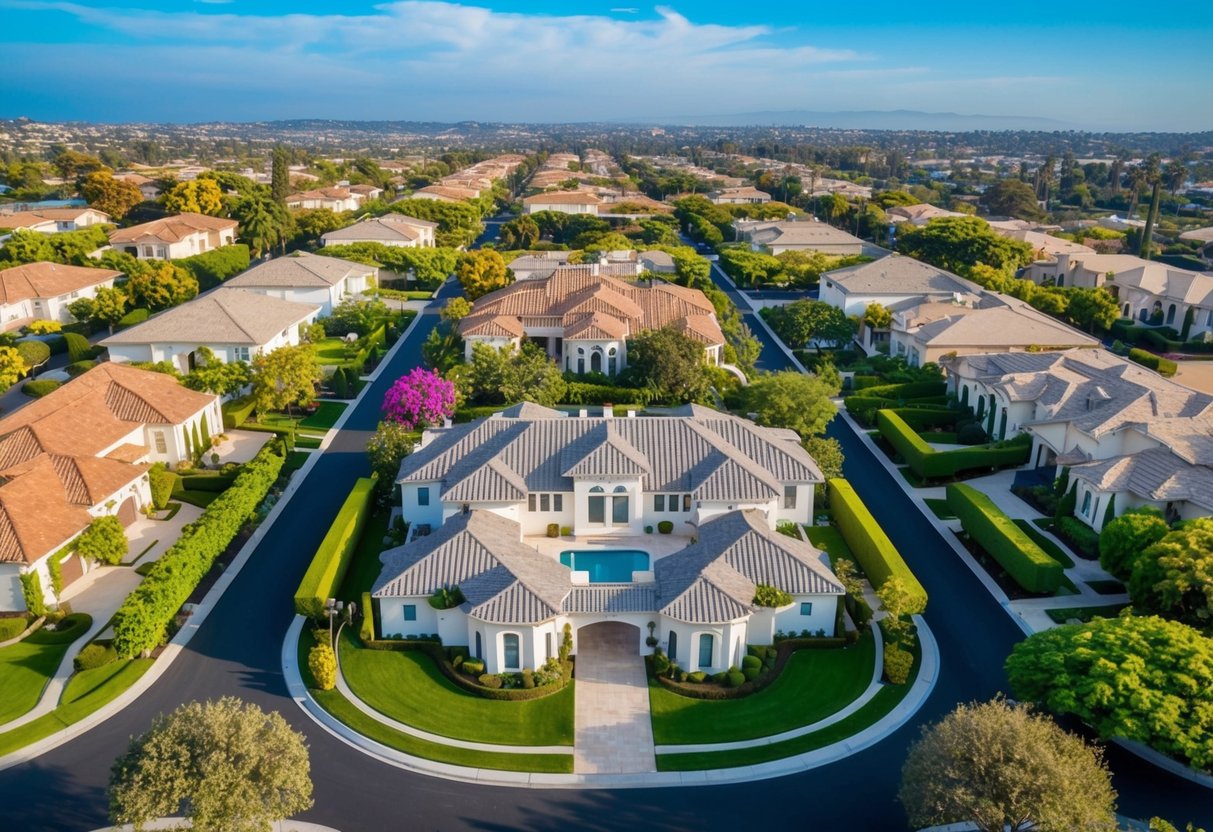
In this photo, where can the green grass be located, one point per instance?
(813, 685)
(1051, 549)
(303, 441)
(885, 700)
(12, 627)
(26, 667)
(326, 415)
(331, 351)
(829, 540)
(294, 461)
(407, 686)
(85, 693)
(365, 566)
(201, 499)
(345, 711)
(1107, 587)
(940, 508)
(1063, 614)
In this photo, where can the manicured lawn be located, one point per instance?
(26, 667)
(939, 507)
(829, 540)
(294, 461)
(325, 417)
(12, 627)
(407, 686)
(1051, 549)
(86, 692)
(283, 422)
(1064, 614)
(331, 351)
(885, 700)
(304, 441)
(365, 565)
(201, 499)
(813, 685)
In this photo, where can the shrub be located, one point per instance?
(929, 463)
(140, 622)
(528, 678)
(40, 387)
(1162, 366)
(492, 681)
(322, 662)
(161, 480)
(751, 673)
(1078, 534)
(104, 541)
(971, 433)
(769, 596)
(665, 526)
(697, 677)
(366, 630)
(97, 654)
(553, 530)
(923, 418)
(734, 678)
(661, 663)
(868, 542)
(1005, 542)
(237, 411)
(215, 266)
(78, 347)
(897, 665)
(473, 667)
(751, 661)
(31, 592)
(335, 552)
(43, 327)
(578, 392)
(567, 531)
(446, 597)
(135, 316)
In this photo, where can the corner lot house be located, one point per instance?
(82, 452)
(170, 238)
(42, 291)
(565, 202)
(490, 488)
(776, 237)
(234, 323)
(584, 320)
(308, 279)
(1127, 436)
(390, 230)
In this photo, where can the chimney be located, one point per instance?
(608, 411)
(583, 413)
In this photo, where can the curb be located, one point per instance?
(203, 609)
(920, 691)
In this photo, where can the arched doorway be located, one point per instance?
(596, 360)
(607, 640)
(1170, 314)
(127, 512)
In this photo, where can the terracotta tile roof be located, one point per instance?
(171, 229)
(492, 326)
(49, 280)
(36, 516)
(447, 192)
(321, 193)
(22, 219)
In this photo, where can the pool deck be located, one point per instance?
(657, 545)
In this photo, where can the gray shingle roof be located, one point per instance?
(300, 270)
(224, 316)
(376, 229)
(1156, 474)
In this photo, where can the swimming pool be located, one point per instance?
(607, 566)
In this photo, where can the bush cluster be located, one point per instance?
(213, 267)
(1081, 537)
(868, 542)
(998, 535)
(322, 662)
(237, 412)
(1162, 366)
(897, 664)
(142, 620)
(40, 387)
(97, 654)
(336, 550)
(579, 392)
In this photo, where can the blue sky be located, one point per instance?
(505, 60)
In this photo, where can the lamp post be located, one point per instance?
(332, 608)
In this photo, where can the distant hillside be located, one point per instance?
(874, 120)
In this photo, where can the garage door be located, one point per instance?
(72, 569)
(126, 511)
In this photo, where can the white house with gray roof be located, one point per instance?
(309, 279)
(397, 230)
(778, 236)
(489, 490)
(890, 280)
(235, 324)
(1127, 436)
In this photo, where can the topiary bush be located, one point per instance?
(553, 530)
(97, 654)
(971, 433)
(473, 667)
(734, 678)
(897, 665)
(492, 681)
(751, 661)
(40, 387)
(665, 526)
(322, 662)
(161, 480)
(697, 677)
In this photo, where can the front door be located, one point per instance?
(705, 650)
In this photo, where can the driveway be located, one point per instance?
(614, 732)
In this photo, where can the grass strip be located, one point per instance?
(940, 508)
(326, 415)
(829, 540)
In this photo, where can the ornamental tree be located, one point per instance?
(390, 443)
(792, 400)
(12, 366)
(1124, 538)
(161, 285)
(481, 272)
(223, 765)
(104, 541)
(423, 397)
(1002, 768)
(285, 377)
(1141, 678)
(1174, 577)
(115, 197)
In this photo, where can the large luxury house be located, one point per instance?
(169, 238)
(43, 291)
(1127, 436)
(308, 278)
(584, 319)
(492, 490)
(778, 236)
(81, 452)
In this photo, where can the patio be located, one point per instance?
(657, 545)
(241, 445)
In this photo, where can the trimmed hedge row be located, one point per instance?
(335, 552)
(1162, 366)
(237, 412)
(907, 390)
(925, 418)
(868, 542)
(141, 621)
(995, 532)
(929, 463)
(579, 392)
(864, 407)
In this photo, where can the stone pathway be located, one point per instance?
(614, 731)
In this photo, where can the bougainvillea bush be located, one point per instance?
(423, 397)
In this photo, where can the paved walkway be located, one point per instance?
(614, 731)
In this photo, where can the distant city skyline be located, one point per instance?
(513, 61)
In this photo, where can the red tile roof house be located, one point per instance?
(169, 238)
(81, 452)
(42, 291)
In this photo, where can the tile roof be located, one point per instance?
(224, 316)
(376, 229)
(1156, 474)
(171, 229)
(996, 321)
(799, 233)
(299, 270)
(448, 192)
(563, 198)
(49, 280)
(611, 598)
(898, 275)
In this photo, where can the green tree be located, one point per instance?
(1124, 538)
(443, 348)
(1174, 576)
(1138, 677)
(520, 233)
(103, 541)
(109, 306)
(210, 375)
(827, 453)
(225, 765)
(792, 400)
(456, 309)
(264, 223)
(802, 321)
(1012, 198)
(481, 272)
(161, 284)
(284, 378)
(390, 444)
(280, 176)
(668, 363)
(25, 246)
(876, 316)
(510, 375)
(1006, 769)
(960, 243)
(12, 367)
(199, 196)
(115, 197)
(1092, 308)
(310, 224)
(899, 604)
(83, 309)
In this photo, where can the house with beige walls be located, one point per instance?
(171, 238)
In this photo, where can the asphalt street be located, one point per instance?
(237, 652)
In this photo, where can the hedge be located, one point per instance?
(908, 390)
(995, 532)
(1162, 366)
(214, 267)
(928, 463)
(929, 417)
(237, 411)
(135, 316)
(580, 392)
(863, 407)
(207, 482)
(40, 387)
(1158, 339)
(78, 347)
(142, 620)
(868, 542)
(335, 552)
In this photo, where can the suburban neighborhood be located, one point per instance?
(580, 469)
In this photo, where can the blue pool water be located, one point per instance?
(607, 566)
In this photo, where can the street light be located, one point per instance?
(332, 608)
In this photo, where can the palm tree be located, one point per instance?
(1175, 174)
(1139, 178)
(261, 226)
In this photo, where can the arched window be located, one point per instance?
(509, 650)
(673, 651)
(1170, 314)
(1127, 315)
(596, 361)
(619, 506)
(479, 646)
(964, 396)
(597, 505)
(706, 645)
(1002, 425)
(1086, 503)
(581, 350)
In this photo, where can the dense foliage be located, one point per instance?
(418, 399)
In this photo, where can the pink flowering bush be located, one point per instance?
(421, 398)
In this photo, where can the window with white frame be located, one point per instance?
(658, 502)
(545, 502)
(789, 496)
(240, 353)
